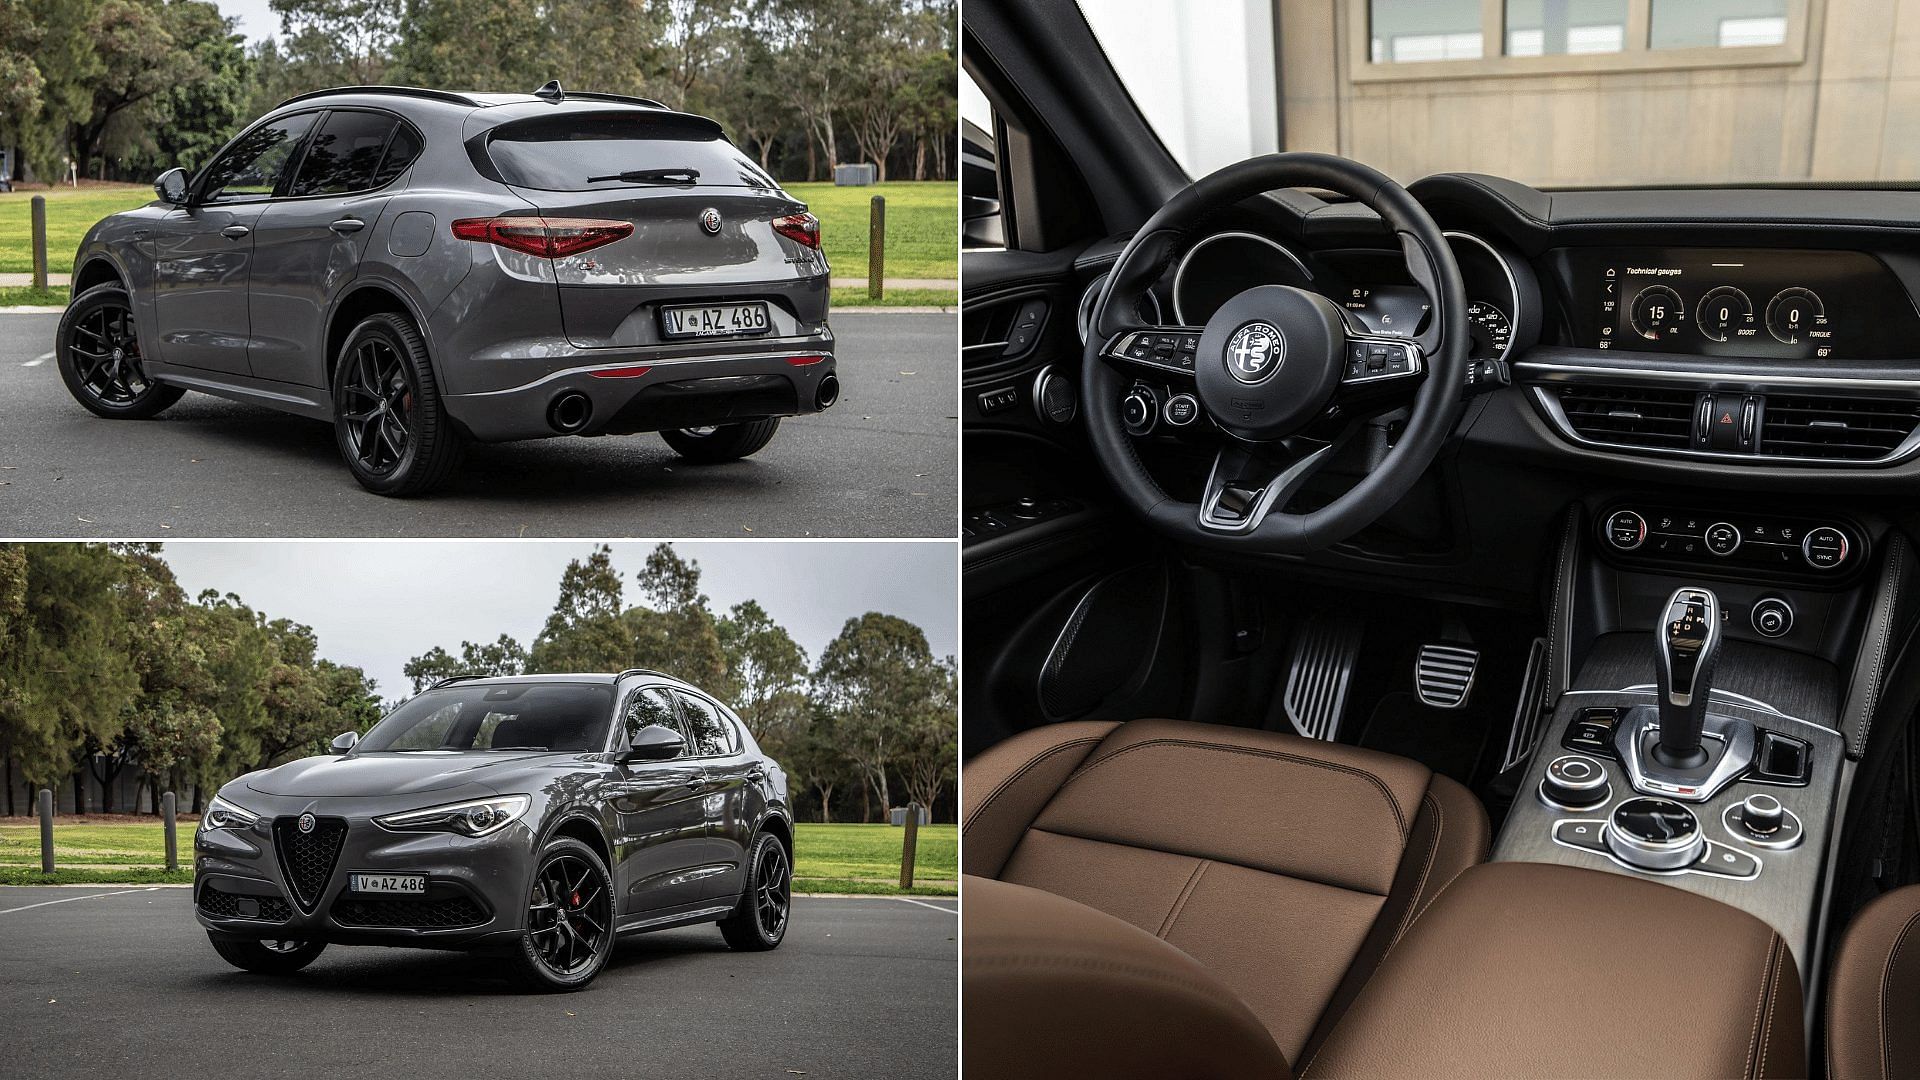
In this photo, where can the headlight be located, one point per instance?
(476, 818)
(221, 814)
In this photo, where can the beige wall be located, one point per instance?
(1841, 101)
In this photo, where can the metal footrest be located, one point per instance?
(1443, 675)
(1324, 651)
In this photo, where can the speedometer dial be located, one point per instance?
(1491, 331)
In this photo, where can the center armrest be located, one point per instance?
(1534, 969)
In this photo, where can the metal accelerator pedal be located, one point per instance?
(1443, 675)
(1324, 651)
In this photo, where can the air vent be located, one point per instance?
(1630, 416)
(1844, 429)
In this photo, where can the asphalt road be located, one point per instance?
(882, 462)
(125, 984)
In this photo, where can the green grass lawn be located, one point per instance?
(70, 213)
(829, 858)
(922, 226)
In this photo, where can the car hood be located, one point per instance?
(361, 775)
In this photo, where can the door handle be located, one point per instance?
(235, 232)
(347, 225)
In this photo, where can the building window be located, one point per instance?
(1718, 24)
(1420, 31)
(1566, 27)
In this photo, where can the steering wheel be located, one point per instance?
(1277, 362)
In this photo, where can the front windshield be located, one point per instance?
(561, 717)
(1553, 93)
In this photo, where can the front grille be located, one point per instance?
(407, 911)
(307, 858)
(228, 905)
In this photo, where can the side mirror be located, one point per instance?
(655, 742)
(172, 187)
(346, 740)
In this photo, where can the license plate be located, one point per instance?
(715, 320)
(405, 884)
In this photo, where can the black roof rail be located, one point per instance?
(643, 671)
(456, 678)
(402, 91)
(592, 96)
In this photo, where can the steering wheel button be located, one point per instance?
(1190, 343)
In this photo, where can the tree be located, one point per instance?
(676, 633)
(503, 657)
(880, 681)
(585, 631)
(188, 122)
(20, 79)
(342, 42)
(821, 42)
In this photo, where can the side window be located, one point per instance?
(252, 169)
(705, 729)
(345, 153)
(401, 150)
(982, 227)
(648, 706)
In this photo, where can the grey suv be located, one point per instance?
(538, 817)
(423, 268)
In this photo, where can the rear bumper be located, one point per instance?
(644, 390)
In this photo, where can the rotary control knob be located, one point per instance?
(1762, 814)
(1824, 548)
(1771, 616)
(1723, 539)
(1626, 530)
(1575, 783)
(1654, 834)
(1139, 410)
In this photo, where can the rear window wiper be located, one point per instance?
(651, 176)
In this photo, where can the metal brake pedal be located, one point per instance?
(1443, 675)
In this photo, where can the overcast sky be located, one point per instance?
(377, 604)
(257, 20)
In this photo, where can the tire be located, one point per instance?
(266, 958)
(390, 421)
(759, 922)
(533, 958)
(727, 442)
(99, 351)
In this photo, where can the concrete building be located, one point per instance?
(1557, 93)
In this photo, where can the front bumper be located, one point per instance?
(655, 390)
(476, 886)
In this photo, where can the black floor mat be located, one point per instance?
(1448, 741)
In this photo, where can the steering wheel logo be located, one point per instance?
(1255, 351)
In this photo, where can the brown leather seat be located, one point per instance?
(1056, 989)
(1873, 992)
(1285, 866)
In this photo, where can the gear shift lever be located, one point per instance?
(1688, 640)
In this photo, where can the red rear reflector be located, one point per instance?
(620, 372)
(802, 228)
(551, 238)
(804, 361)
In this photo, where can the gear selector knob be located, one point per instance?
(1687, 642)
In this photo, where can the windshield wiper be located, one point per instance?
(651, 176)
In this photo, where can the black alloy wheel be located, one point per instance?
(760, 921)
(101, 360)
(569, 929)
(376, 405)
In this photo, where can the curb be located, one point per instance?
(40, 309)
(861, 310)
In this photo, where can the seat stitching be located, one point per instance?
(1393, 804)
(1414, 906)
(1180, 902)
(1773, 999)
(1897, 564)
(1288, 874)
(1000, 788)
(1760, 1006)
(1886, 980)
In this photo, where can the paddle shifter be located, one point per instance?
(1688, 640)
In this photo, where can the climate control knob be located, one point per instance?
(1723, 539)
(1139, 410)
(1626, 530)
(1824, 548)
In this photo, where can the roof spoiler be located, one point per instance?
(555, 93)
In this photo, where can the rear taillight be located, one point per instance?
(552, 238)
(801, 228)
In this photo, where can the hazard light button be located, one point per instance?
(1730, 423)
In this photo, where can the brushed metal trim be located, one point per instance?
(1563, 427)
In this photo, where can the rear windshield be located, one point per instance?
(566, 717)
(564, 153)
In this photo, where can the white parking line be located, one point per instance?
(955, 910)
(71, 899)
(38, 360)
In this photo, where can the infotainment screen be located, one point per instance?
(1768, 303)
